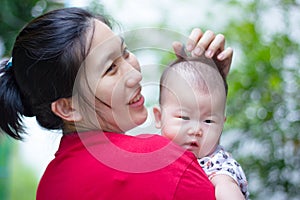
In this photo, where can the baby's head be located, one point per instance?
(192, 104)
(200, 74)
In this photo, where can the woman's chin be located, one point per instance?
(143, 117)
(139, 118)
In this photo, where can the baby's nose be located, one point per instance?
(196, 131)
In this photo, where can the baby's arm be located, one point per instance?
(226, 188)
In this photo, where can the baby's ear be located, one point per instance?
(64, 108)
(157, 116)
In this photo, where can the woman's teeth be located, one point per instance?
(136, 99)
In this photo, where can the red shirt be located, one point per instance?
(96, 165)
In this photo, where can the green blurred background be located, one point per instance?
(263, 113)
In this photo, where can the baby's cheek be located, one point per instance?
(169, 133)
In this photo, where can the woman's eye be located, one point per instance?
(111, 68)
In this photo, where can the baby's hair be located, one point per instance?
(194, 70)
(46, 58)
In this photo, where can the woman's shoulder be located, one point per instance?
(143, 142)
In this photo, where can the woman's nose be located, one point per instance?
(133, 77)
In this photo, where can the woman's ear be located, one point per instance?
(157, 116)
(64, 108)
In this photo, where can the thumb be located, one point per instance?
(179, 49)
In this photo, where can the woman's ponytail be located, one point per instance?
(44, 67)
(11, 107)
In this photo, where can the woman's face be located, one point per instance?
(112, 78)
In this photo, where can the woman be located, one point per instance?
(71, 72)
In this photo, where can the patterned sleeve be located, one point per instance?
(221, 162)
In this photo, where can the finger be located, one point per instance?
(179, 49)
(226, 59)
(226, 54)
(194, 37)
(204, 42)
(217, 45)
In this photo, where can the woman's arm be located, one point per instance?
(226, 188)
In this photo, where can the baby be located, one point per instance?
(192, 114)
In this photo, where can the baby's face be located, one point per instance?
(192, 119)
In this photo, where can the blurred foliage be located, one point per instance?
(16, 180)
(23, 181)
(95, 6)
(5, 151)
(15, 14)
(263, 106)
(264, 99)
(263, 112)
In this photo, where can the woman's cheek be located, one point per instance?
(134, 62)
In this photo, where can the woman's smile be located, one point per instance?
(137, 101)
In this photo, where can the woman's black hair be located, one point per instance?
(47, 55)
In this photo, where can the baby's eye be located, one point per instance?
(184, 117)
(208, 121)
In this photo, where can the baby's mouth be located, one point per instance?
(194, 144)
(191, 145)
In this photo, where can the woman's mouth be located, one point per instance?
(137, 101)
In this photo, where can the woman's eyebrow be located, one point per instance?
(122, 41)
